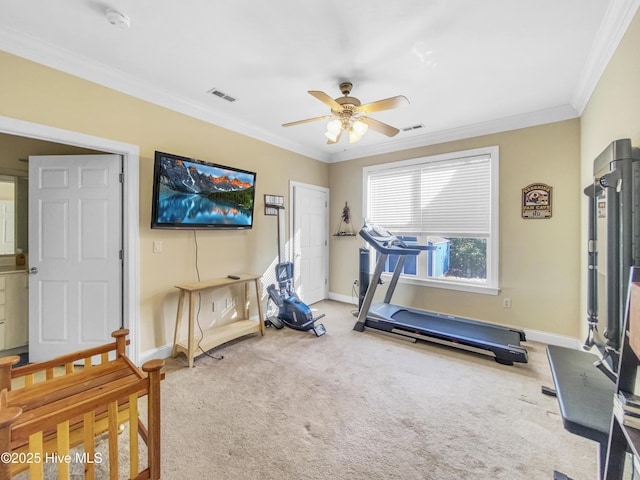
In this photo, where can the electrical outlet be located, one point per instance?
(506, 302)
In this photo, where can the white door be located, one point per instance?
(75, 238)
(310, 241)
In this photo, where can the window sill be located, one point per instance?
(462, 287)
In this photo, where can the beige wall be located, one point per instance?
(31, 92)
(613, 112)
(539, 259)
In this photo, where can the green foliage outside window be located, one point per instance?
(468, 258)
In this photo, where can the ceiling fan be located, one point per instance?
(348, 114)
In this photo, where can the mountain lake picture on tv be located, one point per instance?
(195, 194)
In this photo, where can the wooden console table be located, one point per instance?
(216, 335)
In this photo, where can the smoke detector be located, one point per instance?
(118, 19)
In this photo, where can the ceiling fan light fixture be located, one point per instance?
(360, 127)
(357, 131)
(331, 136)
(334, 127)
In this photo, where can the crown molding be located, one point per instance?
(617, 19)
(57, 58)
(540, 117)
(614, 24)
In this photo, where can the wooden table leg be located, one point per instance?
(181, 295)
(246, 300)
(259, 300)
(190, 343)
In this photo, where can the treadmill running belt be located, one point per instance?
(474, 331)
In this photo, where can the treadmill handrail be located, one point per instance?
(386, 242)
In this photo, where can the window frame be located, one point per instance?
(491, 286)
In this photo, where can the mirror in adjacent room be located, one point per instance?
(13, 214)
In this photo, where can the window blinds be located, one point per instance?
(450, 198)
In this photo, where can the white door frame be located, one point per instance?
(130, 208)
(292, 251)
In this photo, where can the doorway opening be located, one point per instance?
(130, 211)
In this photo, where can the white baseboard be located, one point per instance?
(532, 335)
(156, 353)
(343, 298)
(166, 350)
(552, 339)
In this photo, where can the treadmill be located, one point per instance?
(501, 343)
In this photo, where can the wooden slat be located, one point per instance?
(133, 435)
(36, 469)
(75, 406)
(76, 426)
(133, 367)
(63, 360)
(113, 440)
(28, 404)
(50, 415)
(64, 472)
(76, 435)
(89, 446)
(42, 393)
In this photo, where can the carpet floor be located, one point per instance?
(350, 405)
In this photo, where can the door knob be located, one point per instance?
(33, 270)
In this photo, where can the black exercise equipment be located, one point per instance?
(585, 381)
(291, 310)
(502, 343)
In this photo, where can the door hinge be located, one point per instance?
(121, 254)
(121, 177)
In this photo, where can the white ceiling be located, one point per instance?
(468, 67)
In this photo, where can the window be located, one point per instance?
(448, 201)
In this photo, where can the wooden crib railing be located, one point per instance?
(48, 408)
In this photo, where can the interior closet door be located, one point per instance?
(75, 252)
(310, 241)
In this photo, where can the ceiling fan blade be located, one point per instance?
(326, 99)
(330, 142)
(386, 104)
(324, 117)
(380, 127)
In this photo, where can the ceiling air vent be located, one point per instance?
(413, 127)
(224, 96)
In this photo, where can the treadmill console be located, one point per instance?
(386, 242)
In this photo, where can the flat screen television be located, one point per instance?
(194, 194)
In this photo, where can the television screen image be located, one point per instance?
(194, 194)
